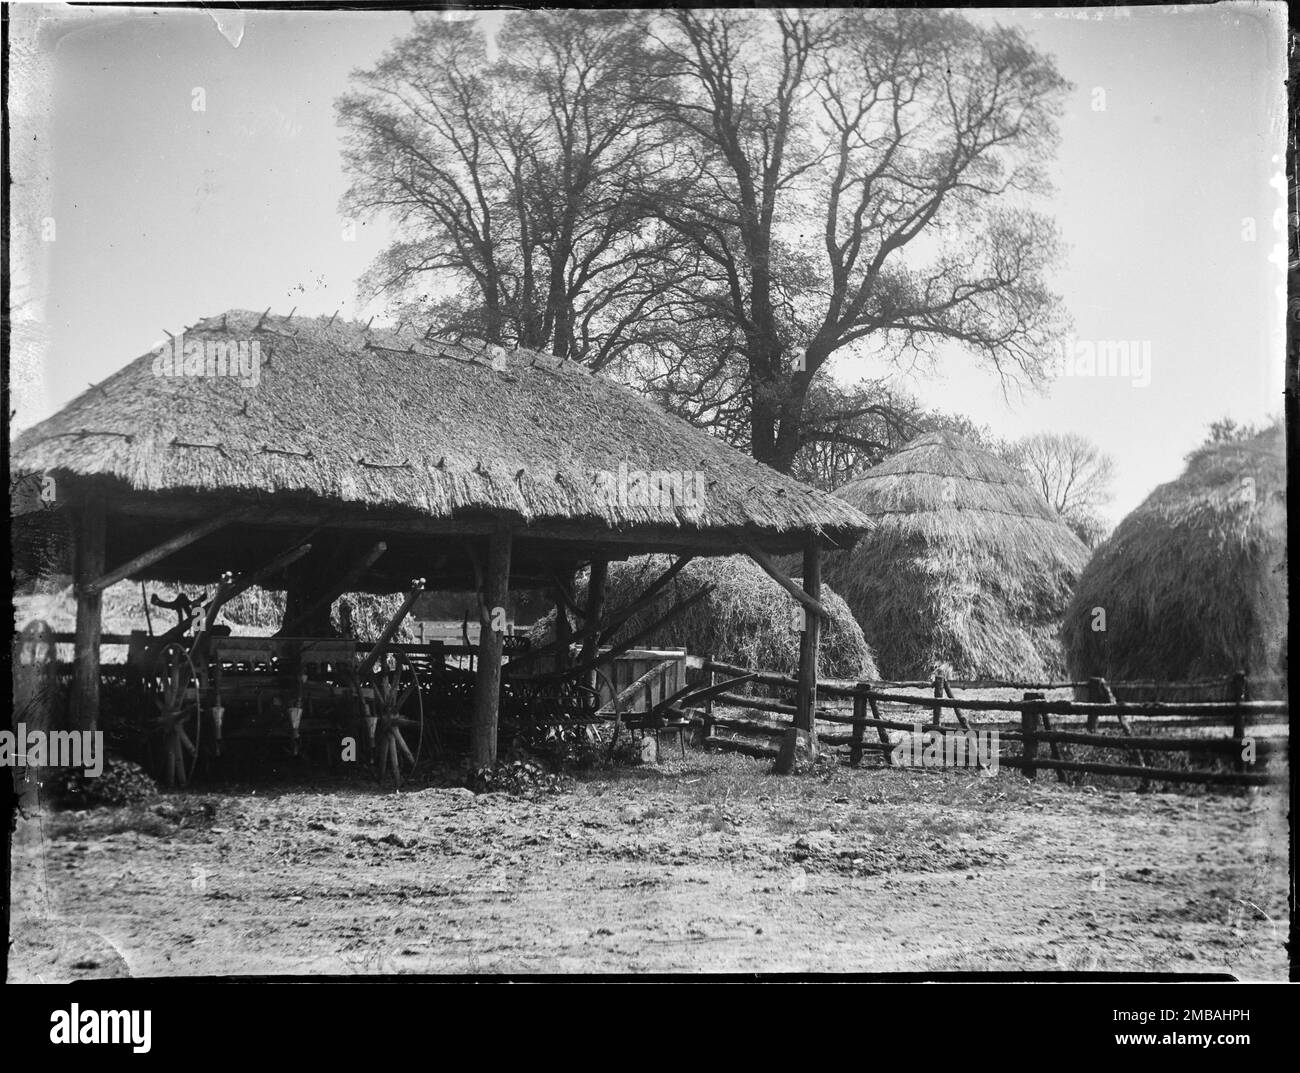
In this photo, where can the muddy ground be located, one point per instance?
(707, 864)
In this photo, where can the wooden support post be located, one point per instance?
(808, 644)
(1029, 716)
(859, 713)
(487, 684)
(1237, 693)
(938, 708)
(595, 608)
(88, 566)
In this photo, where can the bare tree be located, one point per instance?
(716, 204)
(858, 177)
(515, 183)
(1073, 475)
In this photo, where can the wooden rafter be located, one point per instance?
(773, 571)
(161, 551)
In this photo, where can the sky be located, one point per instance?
(175, 171)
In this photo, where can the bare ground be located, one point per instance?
(704, 864)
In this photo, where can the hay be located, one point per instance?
(746, 620)
(1193, 582)
(968, 570)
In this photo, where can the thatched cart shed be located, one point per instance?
(1192, 584)
(967, 571)
(391, 456)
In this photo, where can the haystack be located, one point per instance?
(968, 570)
(1192, 583)
(747, 619)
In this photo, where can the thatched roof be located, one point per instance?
(746, 619)
(1193, 582)
(968, 570)
(351, 420)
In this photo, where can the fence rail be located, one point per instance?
(1033, 712)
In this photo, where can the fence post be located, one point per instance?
(938, 708)
(707, 729)
(1096, 694)
(1029, 728)
(859, 714)
(1057, 750)
(1237, 691)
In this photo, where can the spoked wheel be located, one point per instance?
(572, 711)
(173, 682)
(399, 706)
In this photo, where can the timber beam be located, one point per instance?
(806, 598)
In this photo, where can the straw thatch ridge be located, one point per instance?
(395, 419)
(1192, 582)
(968, 570)
(747, 619)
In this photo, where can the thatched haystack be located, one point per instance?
(746, 620)
(1193, 582)
(968, 570)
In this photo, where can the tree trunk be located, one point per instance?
(766, 399)
(307, 581)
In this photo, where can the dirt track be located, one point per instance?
(707, 864)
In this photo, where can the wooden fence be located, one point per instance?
(1041, 743)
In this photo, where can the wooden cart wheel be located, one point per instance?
(173, 680)
(394, 689)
